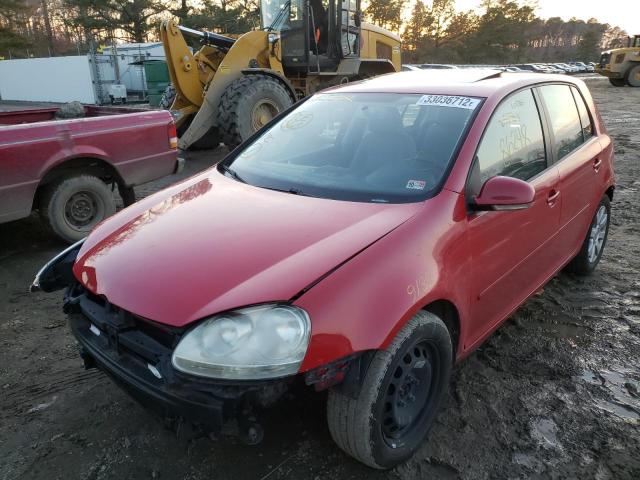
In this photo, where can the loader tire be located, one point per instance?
(633, 76)
(168, 96)
(248, 104)
(617, 82)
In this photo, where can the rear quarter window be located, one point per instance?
(564, 118)
(583, 111)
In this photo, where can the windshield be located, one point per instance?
(367, 147)
(275, 14)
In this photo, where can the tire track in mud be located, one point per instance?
(39, 395)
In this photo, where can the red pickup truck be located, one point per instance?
(67, 169)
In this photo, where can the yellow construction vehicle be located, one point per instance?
(622, 65)
(231, 87)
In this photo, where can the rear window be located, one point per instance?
(565, 121)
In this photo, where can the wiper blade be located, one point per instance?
(292, 191)
(231, 173)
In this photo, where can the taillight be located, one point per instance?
(172, 133)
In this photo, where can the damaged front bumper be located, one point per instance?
(136, 354)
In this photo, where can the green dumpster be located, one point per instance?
(157, 75)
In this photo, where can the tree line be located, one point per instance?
(502, 31)
(66, 27)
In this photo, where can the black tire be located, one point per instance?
(633, 76)
(248, 104)
(585, 262)
(617, 82)
(72, 206)
(168, 96)
(208, 141)
(364, 427)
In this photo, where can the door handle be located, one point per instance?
(596, 164)
(553, 197)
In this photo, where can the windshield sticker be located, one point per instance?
(416, 184)
(449, 101)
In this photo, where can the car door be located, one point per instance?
(512, 252)
(577, 153)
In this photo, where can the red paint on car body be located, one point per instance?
(211, 243)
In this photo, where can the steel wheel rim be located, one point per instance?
(81, 209)
(597, 233)
(410, 393)
(263, 112)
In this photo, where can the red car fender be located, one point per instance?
(362, 305)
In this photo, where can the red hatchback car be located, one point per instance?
(361, 242)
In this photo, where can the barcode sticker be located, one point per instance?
(449, 101)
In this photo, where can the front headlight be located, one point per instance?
(252, 343)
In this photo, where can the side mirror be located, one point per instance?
(504, 193)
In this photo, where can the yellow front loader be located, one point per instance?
(231, 87)
(622, 65)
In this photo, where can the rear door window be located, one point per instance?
(512, 144)
(585, 119)
(564, 118)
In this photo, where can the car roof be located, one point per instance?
(469, 82)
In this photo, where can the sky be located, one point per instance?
(621, 13)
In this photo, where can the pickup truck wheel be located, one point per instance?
(589, 255)
(72, 206)
(399, 397)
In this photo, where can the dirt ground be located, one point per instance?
(554, 393)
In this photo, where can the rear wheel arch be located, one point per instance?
(94, 166)
(609, 192)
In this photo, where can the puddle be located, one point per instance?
(558, 327)
(623, 385)
(546, 432)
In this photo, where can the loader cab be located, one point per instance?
(314, 35)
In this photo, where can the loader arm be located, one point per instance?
(251, 50)
(182, 65)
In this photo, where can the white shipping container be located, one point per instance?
(53, 79)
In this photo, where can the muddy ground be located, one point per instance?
(554, 393)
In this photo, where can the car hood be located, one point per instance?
(211, 243)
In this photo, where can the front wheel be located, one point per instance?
(587, 259)
(399, 398)
(617, 82)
